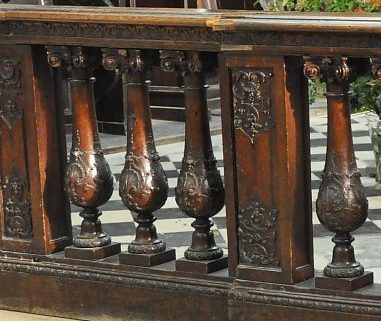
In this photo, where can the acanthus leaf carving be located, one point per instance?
(257, 235)
(251, 101)
(16, 207)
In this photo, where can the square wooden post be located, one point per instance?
(34, 212)
(267, 167)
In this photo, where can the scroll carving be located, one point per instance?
(16, 206)
(251, 101)
(10, 111)
(257, 234)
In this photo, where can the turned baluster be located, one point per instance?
(199, 191)
(88, 178)
(143, 184)
(341, 204)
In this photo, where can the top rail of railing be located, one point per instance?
(288, 32)
(216, 20)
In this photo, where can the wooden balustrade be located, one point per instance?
(264, 61)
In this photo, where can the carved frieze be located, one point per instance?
(257, 235)
(110, 31)
(16, 207)
(251, 101)
(10, 111)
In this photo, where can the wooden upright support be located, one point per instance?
(267, 168)
(34, 212)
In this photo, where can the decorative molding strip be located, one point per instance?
(197, 287)
(251, 101)
(17, 209)
(109, 31)
(257, 235)
(313, 301)
(10, 112)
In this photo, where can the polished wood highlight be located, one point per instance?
(341, 205)
(143, 184)
(266, 165)
(199, 191)
(88, 178)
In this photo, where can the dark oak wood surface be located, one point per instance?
(266, 154)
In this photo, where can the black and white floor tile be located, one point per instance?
(175, 227)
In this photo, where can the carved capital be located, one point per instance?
(331, 70)
(180, 62)
(76, 62)
(126, 60)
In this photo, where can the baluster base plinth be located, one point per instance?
(149, 259)
(202, 267)
(93, 253)
(344, 284)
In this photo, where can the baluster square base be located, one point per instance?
(344, 284)
(147, 259)
(203, 267)
(92, 254)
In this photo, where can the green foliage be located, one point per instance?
(321, 5)
(366, 95)
(312, 91)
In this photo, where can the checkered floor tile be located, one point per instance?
(175, 227)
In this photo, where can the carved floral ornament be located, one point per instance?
(16, 207)
(251, 101)
(10, 91)
(257, 235)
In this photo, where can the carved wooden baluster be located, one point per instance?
(143, 184)
(199, 191)
(88, 178)
(341, 204)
